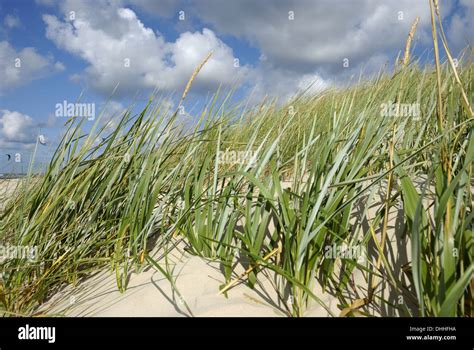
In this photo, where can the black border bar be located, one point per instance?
(359, 332)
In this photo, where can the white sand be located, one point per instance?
(149, 293)
(7, 187)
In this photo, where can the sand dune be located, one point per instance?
(149, 293)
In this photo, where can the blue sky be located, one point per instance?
(81, 46)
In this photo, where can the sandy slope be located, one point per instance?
(149, 293)
(7, 187)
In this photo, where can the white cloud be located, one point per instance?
(461, 27)
(120, 49)
(282, 83)
(16, 129)
(311, 83)
(20, 67)
(369, 33)
(190, 48)
(322, 33)
(11, 21)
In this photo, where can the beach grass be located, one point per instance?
(270, 188)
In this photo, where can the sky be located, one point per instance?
(56, 52)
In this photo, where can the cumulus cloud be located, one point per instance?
(16, 130)
(305, 35)
(300, 41)
(20, 67)
(283, 83)
(461, 27)
(120, 49)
